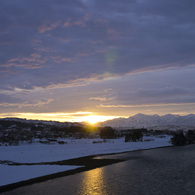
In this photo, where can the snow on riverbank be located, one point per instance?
(13, 174)
(37, 152)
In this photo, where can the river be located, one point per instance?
(158, 171)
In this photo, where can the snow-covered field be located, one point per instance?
(37, 152)
(12, 174)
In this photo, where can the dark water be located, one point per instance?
(158, 171)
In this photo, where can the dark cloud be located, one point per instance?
(153, 96)
(72, 39)
(8, 99)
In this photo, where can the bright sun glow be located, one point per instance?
(93, 119)
(63, 117)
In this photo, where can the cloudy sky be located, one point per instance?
(66, 60)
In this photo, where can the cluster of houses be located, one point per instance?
(18, 133)
(14, 133)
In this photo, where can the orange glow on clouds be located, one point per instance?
(62, 117)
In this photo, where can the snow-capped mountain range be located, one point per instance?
(150, 121)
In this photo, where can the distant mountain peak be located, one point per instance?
(142, 120)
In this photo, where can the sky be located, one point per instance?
(96, 60)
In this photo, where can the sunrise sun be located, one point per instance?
(92, 119)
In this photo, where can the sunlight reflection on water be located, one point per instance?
(93, 182)
(158, 171)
